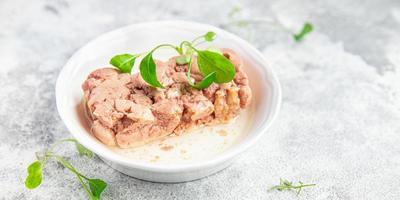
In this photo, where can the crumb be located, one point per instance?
(167, 148)
(222, 133)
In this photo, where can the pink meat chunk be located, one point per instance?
(104, 134)
(198, 107)
(167, 117)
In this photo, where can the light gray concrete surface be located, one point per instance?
(339, 125)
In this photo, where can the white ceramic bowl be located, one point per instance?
(141, 37)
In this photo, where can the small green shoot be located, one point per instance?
(35, 169)
(307, 28)
(287, 185)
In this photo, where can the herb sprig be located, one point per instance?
(93, 187)
(241, 22)
(307, 28)
(212, 65)
(287, 185)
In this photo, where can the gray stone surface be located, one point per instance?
(339, 125)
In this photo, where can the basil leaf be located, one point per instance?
(148, 71)
(124, 62)
(34, 178)
(210, 62)
(307, 28)
(207, 81)
(97, 186)
(209, 36)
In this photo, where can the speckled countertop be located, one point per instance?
(339, 124)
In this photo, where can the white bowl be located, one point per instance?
(143, 36)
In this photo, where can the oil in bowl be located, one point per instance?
(195, 145)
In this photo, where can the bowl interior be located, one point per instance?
(142, 37)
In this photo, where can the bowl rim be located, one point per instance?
(220, 158)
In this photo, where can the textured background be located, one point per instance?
(339, 124)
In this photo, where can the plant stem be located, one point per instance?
(271, 22)
(301, 186)
(287, 185)
(195, 39)
(59, 142)
(84, 185)
(165, 45)
(182, 45)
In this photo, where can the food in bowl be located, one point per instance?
(195, 154)
(165, 98)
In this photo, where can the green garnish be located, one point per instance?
(124, 62)
(34, 178)
(207, 81)
(209, 36)
(241, 22)
(287, 185)
(148, 71)
(35, 169)
(213, 66)
(215, 50)
(307, 28)
(211, 62)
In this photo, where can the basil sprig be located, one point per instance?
(213, 66)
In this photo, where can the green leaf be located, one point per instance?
(182, 60)
(83, 151)
(210, 62)
(124, 62)
(209, 36)
(148, 71)
(34, 178)
(215, 50)
(307, 28)
(97, 186)
(207, 81)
